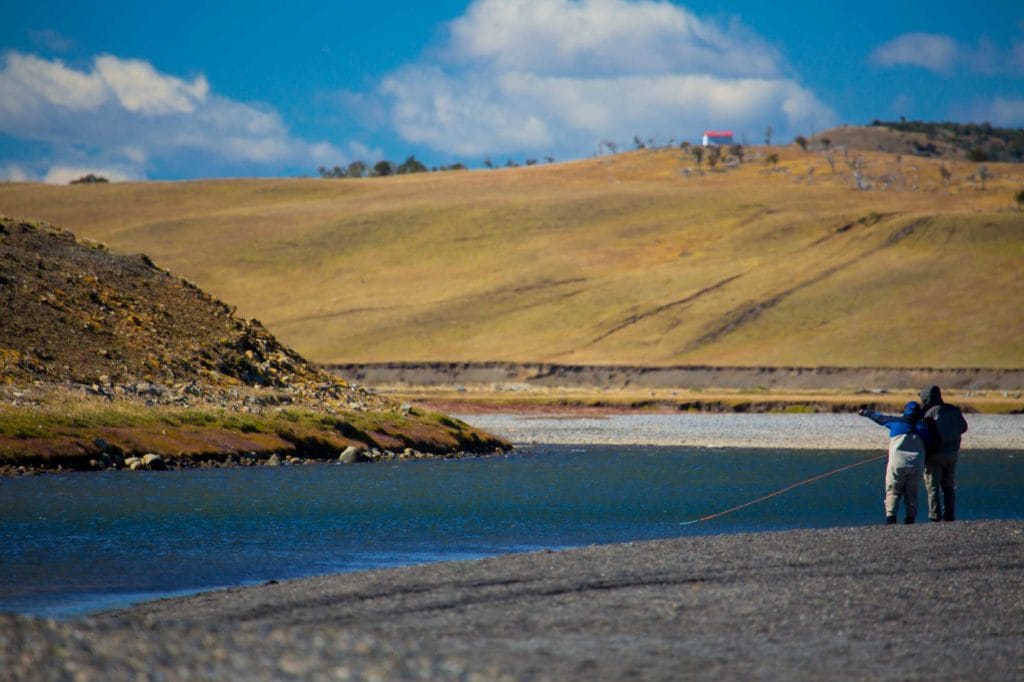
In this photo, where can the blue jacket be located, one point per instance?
(908, 422)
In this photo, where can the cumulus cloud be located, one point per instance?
(62, 175)
(13, 172)
(1000, 111)
(122, 116)
(943, 54)
(542, 75)
(937, 53)
(140, 89)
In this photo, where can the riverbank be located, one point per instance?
(47, 428)
(808, 604)
(748, 431)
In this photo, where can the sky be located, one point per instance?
(165, 91)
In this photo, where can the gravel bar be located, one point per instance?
(928, 601)
(791, 431)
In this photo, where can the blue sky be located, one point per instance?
(191, 89)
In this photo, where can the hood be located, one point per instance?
(931, 397)
(913, 410)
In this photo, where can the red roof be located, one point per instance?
(718, 133)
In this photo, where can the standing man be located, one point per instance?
(908, 443)
(946, 424)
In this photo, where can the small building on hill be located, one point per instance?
(717, 137)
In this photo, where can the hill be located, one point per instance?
(945, 141)
(971, 141)
(641, 258)
(96, 332)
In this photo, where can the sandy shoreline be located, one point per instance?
(846, 603)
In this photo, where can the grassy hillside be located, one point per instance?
(636, 258)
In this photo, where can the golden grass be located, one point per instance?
(620, 259)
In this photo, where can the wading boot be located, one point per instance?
(909, 520)
(889, 520)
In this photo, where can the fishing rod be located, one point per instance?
(786, 489)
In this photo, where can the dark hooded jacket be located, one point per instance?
(945, 422)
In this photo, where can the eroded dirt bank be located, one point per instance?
(626, 376)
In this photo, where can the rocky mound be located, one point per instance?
(88, 337)
(888, 140)
(73, 313)
(949, 141)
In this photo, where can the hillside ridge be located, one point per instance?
(786, 257)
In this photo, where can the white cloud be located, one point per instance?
(139, 88)
(29, 85)
(51, 40)
(942, 54)
(15, 173)
(62, 175)
(938, 53)
(123, 116)
(1000, 111)
(562, 75)
(602, 37)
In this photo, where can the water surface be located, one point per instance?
(77, 543)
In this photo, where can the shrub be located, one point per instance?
(88, 180)
(977, 155)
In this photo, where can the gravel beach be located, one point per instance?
(880, 603)
(790, 431)
(889, 603)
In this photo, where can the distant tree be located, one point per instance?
(698, 155)
(826, 142)
(983, 175)
(977, 155)
(638, 143)
(549, 159)
(768, 135)
(410, 165)
(801, 142)
(453, 167)
(714, 155)
(488, 163)
(945, 175)
(772, 160)
(88, 180)
(336, 172)
(684, 145)
(830, 159)
(511, 164)
(383, 168)
(1019, 198)
(531, 162)
(737, 151)
(356, 169)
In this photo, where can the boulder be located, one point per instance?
(353, 455)
(154, 462)
(274, 461)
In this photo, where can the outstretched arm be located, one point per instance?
(876, 417)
